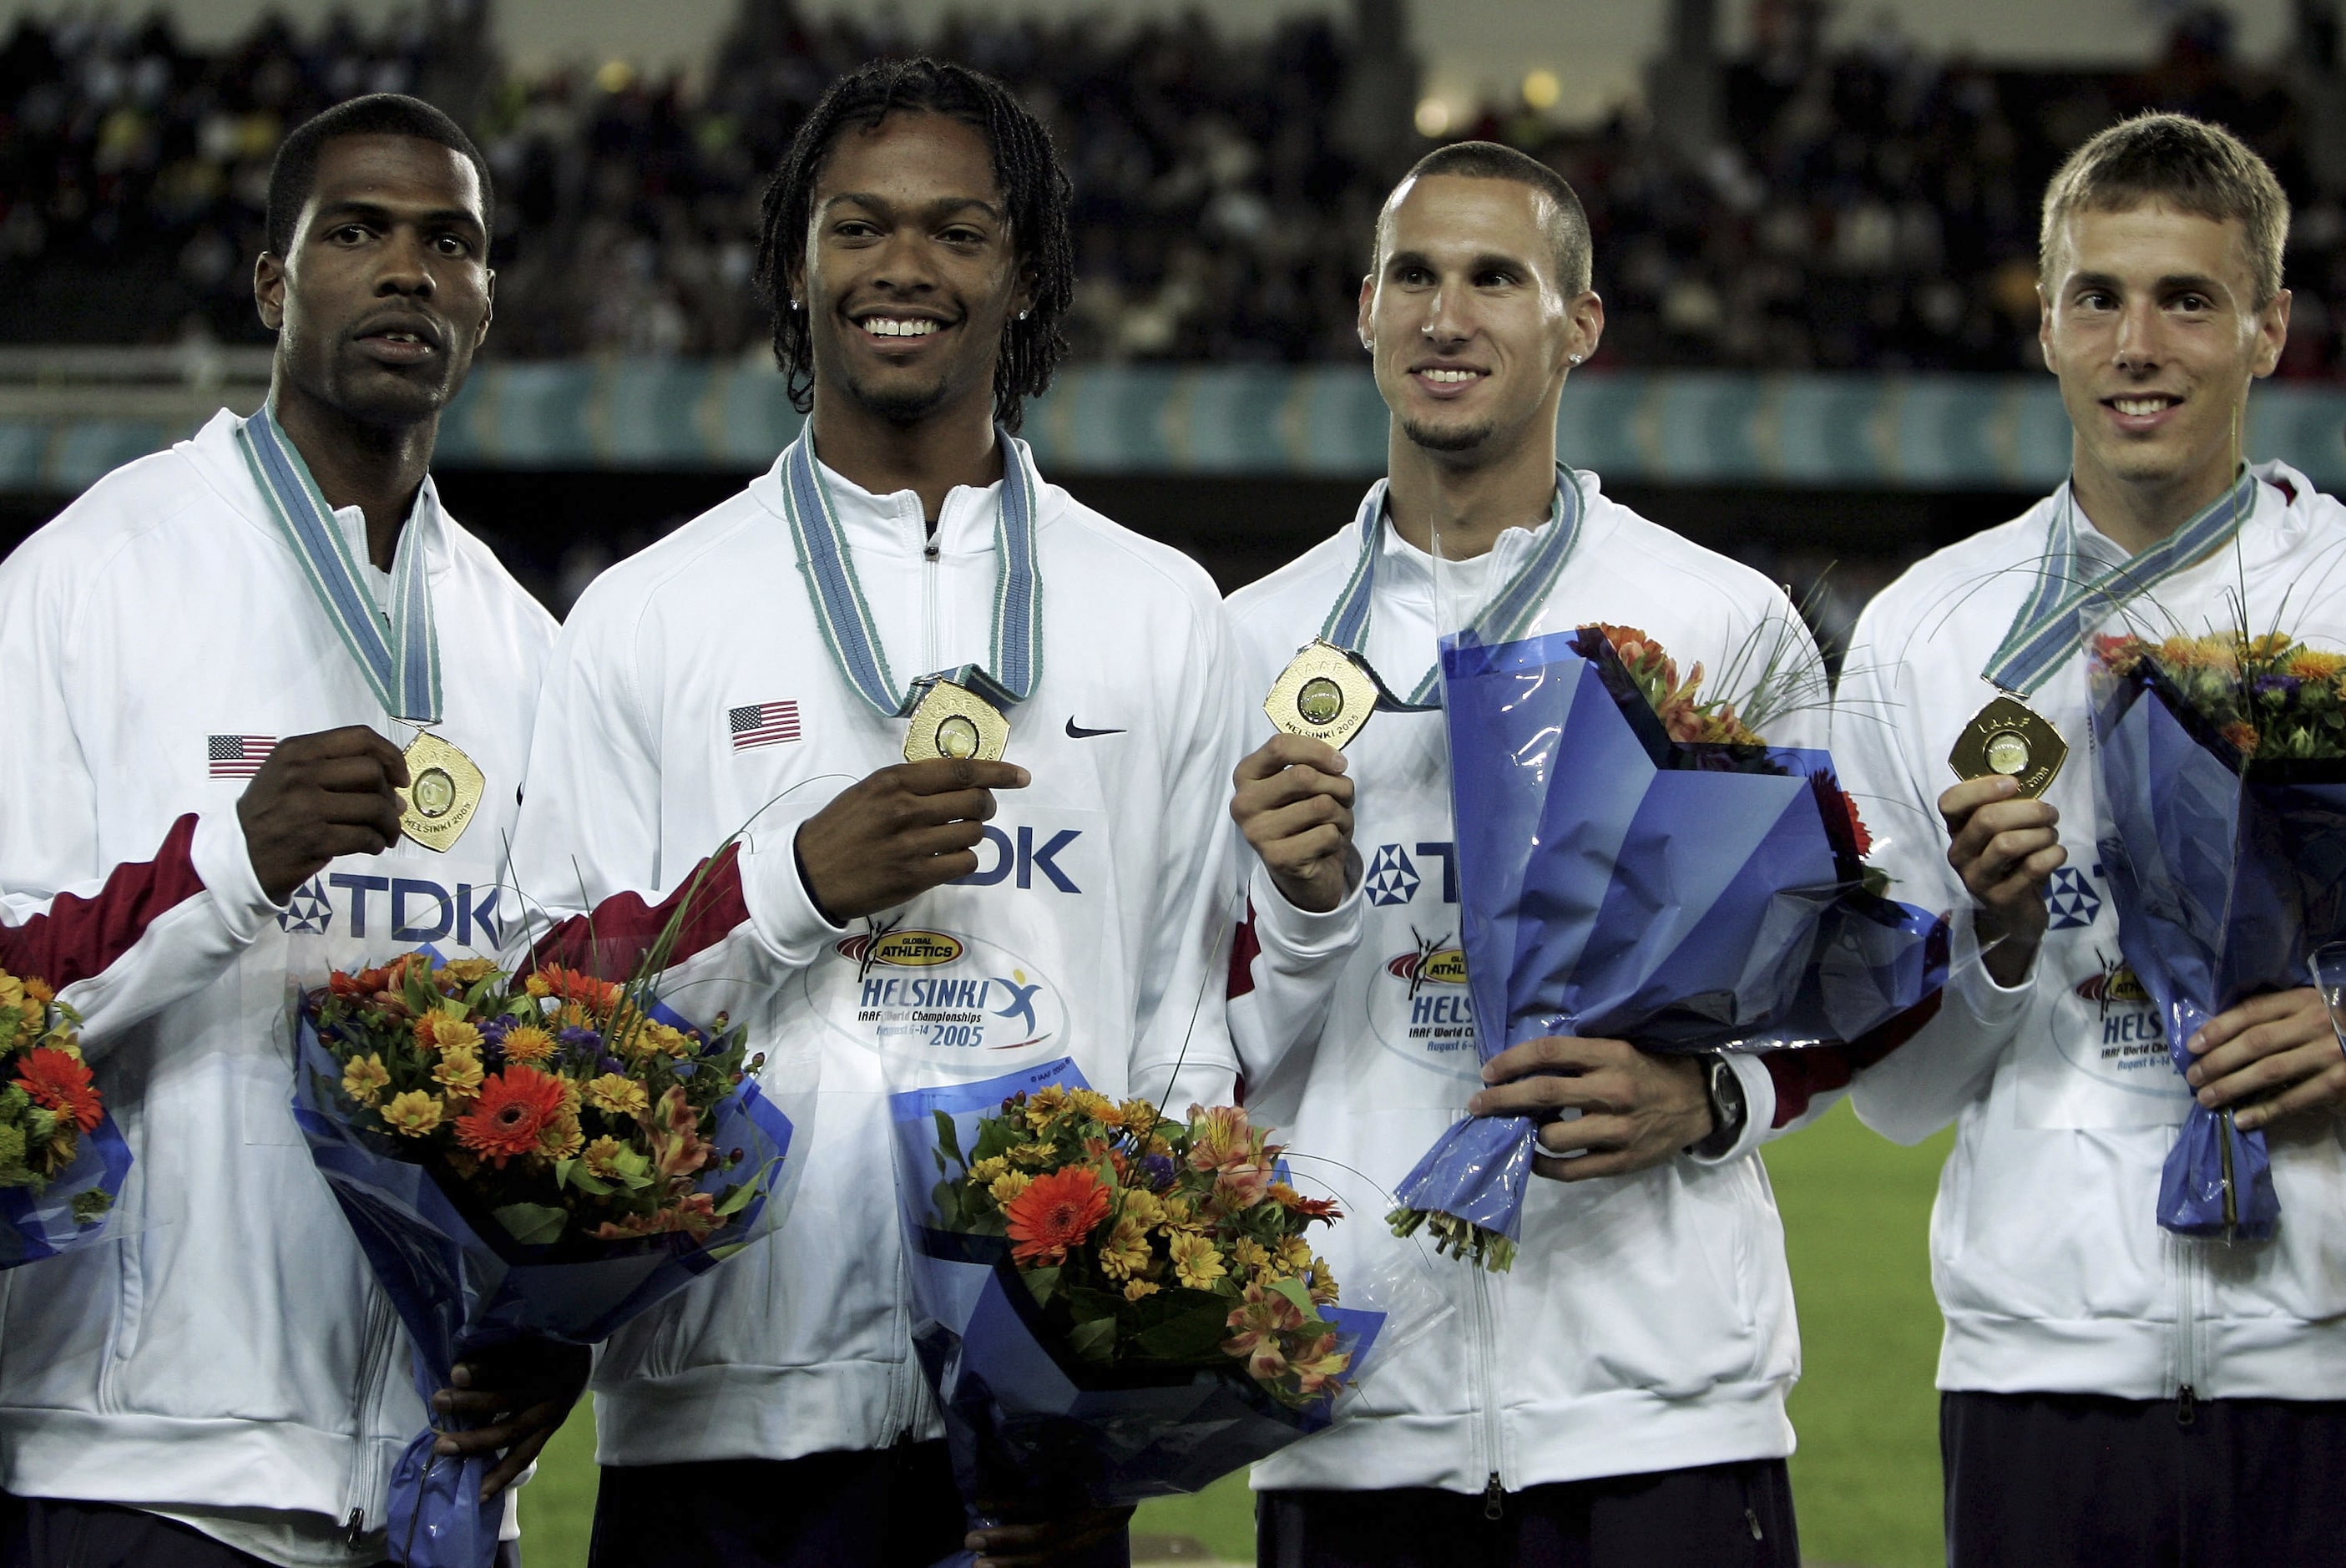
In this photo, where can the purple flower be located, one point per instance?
(1158, 1170)
(611, 1065)
(581, 1040)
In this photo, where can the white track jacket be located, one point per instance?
(233, 1353)
(691, 696)
(1648, 1322)
(2045, 1250)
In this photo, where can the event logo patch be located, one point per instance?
(901, 949)
(1419, 1006)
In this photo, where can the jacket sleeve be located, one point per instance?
(1284, 968)
(1920, 1081)
(597, 879)
(1182, 1053)
(121, 941)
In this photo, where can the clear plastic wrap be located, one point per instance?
(2228, 876)
(464, 1276)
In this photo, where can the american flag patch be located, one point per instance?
(238, 756)
(762, 724)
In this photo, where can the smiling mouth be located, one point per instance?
(2142, 407)
(900, 327)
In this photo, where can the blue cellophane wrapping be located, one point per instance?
(2226, 879)
(1615, 884)
(37, 1225)
(460, 1284)
(1022, 1415)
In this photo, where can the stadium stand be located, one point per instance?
(1868, 207)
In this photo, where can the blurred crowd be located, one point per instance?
(1863, 205)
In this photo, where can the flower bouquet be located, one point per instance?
(1636, 862)
(535, 1155)
(1113, 1305)
(2220, 766)
(61, 1160)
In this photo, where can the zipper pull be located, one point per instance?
(1753, 1519)
(931, 553)
(354, 1528)
(1495, 1504)
(2186, 1406)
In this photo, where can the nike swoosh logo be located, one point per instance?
(1077, 732)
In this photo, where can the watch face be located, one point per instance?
(1725, 1094)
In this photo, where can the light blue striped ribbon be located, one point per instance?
(1016, 646)
(399, 653)
(2065, 606)
(1507, 617)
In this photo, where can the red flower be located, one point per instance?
(1857, 825)
(513, 1108)
(60, 1083)
(569, 985)
(1056, 1211)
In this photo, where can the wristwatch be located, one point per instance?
(1728, 1110)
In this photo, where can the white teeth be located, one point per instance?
(1450, 377)
(881, 326)
(2137, 406)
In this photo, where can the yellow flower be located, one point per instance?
(468, 970)
(1124, 1253)
(1134, 1290)
(11, 991)
(1009, 1185)
(1295, 1256)
(1093, 1103)
(603, 1156)
(528, 1043)
(1032, 1155)
(1323, 1283)
(1196, 1263)
(560, 1139)
(1141, 1205)
(412, 1113)
(38, 989)
(1139, 1116)
(459, 1071)
(536, 986)
(982, 1172)
(1176, 1214)
(1249, 1253)
(668, 1042)
(1047, 1102)
(365, 1078)
(454, 1035)
(617, 1095)
(2309, 664)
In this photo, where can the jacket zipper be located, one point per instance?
(373, 1351)
(2186, 1334)
(929, 570)
(1485, 1392)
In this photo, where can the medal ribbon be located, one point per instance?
(1504, 619)
(1016, 646)
(399, 653)
(2066, 607)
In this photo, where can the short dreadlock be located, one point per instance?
(1025, 166)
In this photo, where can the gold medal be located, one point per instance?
(955, 721)
(443, 789)
(1324, 693)
(2010, 737)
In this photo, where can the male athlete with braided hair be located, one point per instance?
(921, 921)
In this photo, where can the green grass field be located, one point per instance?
(1866, 1479)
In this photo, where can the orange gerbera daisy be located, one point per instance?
(1058, 1211)
(572, 986)
(60, 1083)
(513, 1109)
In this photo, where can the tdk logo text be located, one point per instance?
(395, 908)
(1024, 857)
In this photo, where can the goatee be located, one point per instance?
(1447, 437)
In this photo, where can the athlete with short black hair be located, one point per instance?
(202, 653)
(923, 921)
